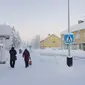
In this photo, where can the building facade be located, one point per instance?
(52, 41)
(79, 35)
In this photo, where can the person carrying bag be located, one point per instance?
(26, 56)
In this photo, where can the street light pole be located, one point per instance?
(69, 58)
(69, 26)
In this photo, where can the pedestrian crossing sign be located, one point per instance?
(69, 38)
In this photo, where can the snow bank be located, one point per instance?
(55, 52)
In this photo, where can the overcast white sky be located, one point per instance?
(32, 17)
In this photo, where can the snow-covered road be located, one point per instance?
(46, 70)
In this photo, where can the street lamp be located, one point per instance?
(69, 58)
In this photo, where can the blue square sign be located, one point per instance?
(69, 38)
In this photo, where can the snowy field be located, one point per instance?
(48, 69)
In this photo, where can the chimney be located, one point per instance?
(48, 34)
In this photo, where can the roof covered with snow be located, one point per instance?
(48, 37)
(75, 27)
(5, 30)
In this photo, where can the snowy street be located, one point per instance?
(46, 70)
(42, 42)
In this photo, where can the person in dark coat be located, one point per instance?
(20, 51)
(26, 55)
(13, 57)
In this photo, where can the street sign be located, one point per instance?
(69, 38)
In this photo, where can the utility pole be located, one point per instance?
(69, 58)
(68, 27)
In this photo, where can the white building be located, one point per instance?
(33, 43)
(36, 42)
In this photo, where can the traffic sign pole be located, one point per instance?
(68, 27)
(69, 58)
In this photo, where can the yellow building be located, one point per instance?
(52, 41)
(79, 35)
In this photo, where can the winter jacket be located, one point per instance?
(26, 55)
(13, 54)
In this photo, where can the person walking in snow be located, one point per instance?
(26, 56)
(13, 57)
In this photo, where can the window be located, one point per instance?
(77, 36)
(7, 37)
(1, 39)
